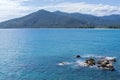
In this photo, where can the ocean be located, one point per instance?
(35, 54)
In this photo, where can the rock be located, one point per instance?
(78, 56)
(109, 65)
(105, 64)
(90, 62)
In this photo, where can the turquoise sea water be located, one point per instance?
(34, 54)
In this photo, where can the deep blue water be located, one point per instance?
(33, 54)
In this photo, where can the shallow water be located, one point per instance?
(34, 54)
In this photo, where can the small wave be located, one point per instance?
(97, 56)
(80, 63)
(92, 55)
(64, 63)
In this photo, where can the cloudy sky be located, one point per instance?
(16, 8)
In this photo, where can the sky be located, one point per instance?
(10, 9)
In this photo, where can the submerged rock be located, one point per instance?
(78, 56)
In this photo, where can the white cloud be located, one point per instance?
(82, 7)
(13, 8)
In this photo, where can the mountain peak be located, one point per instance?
(39, 12)
(58, 12)
(43, 11)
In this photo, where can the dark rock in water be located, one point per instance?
(78, 56)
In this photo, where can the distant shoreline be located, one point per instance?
(70, 28)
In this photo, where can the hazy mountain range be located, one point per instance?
(57, 19)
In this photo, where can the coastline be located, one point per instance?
(69, 28)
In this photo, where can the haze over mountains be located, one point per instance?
(57, 19)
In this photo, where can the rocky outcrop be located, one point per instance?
(105, 64)
(99, 62)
